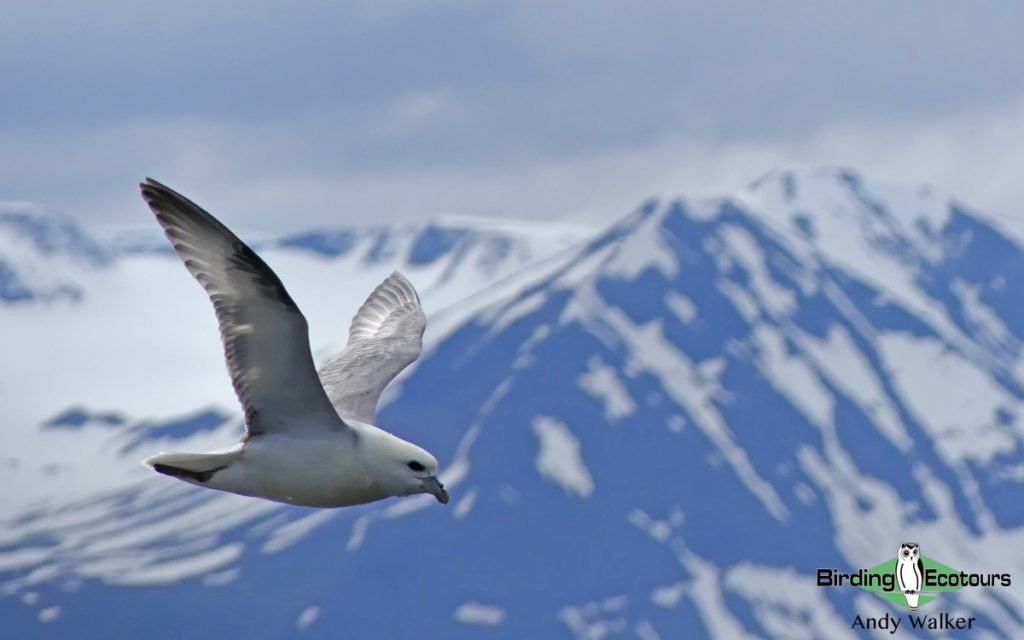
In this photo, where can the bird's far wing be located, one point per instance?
(266, 338)
(385, 337)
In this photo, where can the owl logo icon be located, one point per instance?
(910, 572)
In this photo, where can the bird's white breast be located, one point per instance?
(312, 471)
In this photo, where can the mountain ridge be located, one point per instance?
(663, 434)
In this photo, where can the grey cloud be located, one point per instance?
(387, 93)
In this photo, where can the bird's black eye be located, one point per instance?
(415, 466)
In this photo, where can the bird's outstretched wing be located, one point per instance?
(385, 337)
(266, 338)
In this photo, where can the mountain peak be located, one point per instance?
(47, 233)
(43, 253)
(841, 190)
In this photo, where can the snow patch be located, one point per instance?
(681, 306)
(791, 376)
(787, 604)
(473, 612)
(956, 401)
(846, 366)
(745, 249)
(49, 614)
(519, 309)
(465, 505)
(601, 382)
(596, 620)
(179, 568)
(559, 458)
(307, 617)
(659, 530)
(645, 247)
(985, 324)
(221, 578)
(706, 593)
(668, 596)
(676, 423)
(23, 557)
(291, 533)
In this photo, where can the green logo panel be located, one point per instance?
(896, 596)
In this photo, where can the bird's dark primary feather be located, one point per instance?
(265, 336)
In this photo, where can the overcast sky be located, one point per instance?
(313, 113)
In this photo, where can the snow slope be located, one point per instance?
(661, 434)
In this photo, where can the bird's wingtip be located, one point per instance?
(399, 277)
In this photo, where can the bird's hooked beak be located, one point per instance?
(434, 487)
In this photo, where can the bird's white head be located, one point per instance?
(401, 467)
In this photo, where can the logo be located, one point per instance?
(911, 580)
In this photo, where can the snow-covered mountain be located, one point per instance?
(660, 434)
(43, 254)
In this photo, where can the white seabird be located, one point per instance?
(309, 436)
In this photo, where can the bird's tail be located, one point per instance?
(192, 467)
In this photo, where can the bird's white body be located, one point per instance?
(314, 470)
(309, 434)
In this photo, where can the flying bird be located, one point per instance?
(309, 436)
